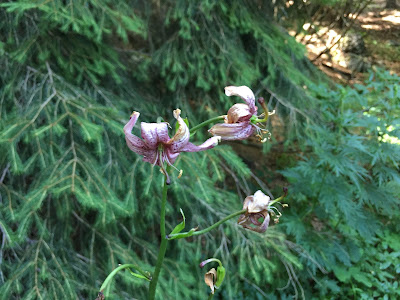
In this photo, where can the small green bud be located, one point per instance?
(220, 276)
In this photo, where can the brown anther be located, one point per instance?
(261, 100)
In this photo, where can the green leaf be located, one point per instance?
(137, 275)
(178, 228)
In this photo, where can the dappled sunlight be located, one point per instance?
(385, 19)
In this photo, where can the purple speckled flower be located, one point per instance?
(157, 147)
(241, 120)
(237, 124)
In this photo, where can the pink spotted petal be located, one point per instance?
(151, 157)
(171, 156)
(245, 93)
(210, 143)
(237, 131)
(182, 135)
(134, 143)
(154, 133)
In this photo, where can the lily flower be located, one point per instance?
(241, 120)
(259, 206)
(157, 147)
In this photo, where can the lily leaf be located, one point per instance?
(178, 228)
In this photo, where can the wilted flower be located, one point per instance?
(210, 278)
(214, 278)
(156, 147)
(257, 207)
(241, 120)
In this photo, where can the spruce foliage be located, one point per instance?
(75, 202)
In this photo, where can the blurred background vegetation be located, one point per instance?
(75, 202)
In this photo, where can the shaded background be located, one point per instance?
(75, 202)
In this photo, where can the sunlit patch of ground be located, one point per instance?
(380, 29)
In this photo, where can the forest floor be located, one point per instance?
(379, 31)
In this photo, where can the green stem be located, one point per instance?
(211, 296)
(119, 268)
(190, 233)
(213, 120)
(163, 246)
(276, 200)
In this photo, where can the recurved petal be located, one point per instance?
(264, 225)
(132, 121)
(208, 144)
(236, 131)
(182, 135)
(239, 112)
(209, 278)
(134, 143)
(154, 133)
(245, 93)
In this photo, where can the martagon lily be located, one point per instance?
(259, 206)
(241, 120)
(256, 207)
(157, 147)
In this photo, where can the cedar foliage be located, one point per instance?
(75, 202)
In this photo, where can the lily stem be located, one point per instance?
(119, 268)
(211, 296)
(212, 120)
(163, 246)
(187, 234)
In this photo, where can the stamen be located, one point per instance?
(168, 180)
(171, 165)
(278, 212)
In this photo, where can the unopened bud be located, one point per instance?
(285, 191)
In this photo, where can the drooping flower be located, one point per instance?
(214, 278)
(210, 278)
(157, 147)
(259, 206)
(256, 207)
(241, 120)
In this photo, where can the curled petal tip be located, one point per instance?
(135, 113)
(177, 113)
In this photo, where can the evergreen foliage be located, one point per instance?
(75, 202)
